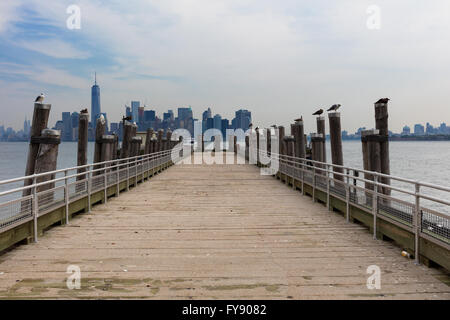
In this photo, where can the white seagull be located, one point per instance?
(40, 98)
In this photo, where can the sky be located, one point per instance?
(279, 59)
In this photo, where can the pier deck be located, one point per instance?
(213, 231)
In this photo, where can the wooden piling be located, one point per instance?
(321, 130)
(40, 120)
(247, 146)
(317, 142)
(269, 140)
(99, 132)
(160, 138)
(169, 139)
(135, 146)
(373, 155)
(107, 148)
(365, 153)
(290, 148)
(381, 123)
(126, 140)
(336, 143)
(83, 124)
(46, 160)
(282, 147)
(297, 130)
(115, 147)
(148, 138)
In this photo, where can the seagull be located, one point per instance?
(84, 111)
(299, 119)
(318, 112)
(384, 100)
(126, 118)
(40, 98)
(334, 107)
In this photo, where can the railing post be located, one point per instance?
(89, 186)
(128, 174)
(417, 224)
(118, 179)
(35, 207)
(347, 195)
(314, 184)
(66, 196)
(142, 169)
(328, 186)
(302, 168)
(135, 171)
(375, 205)
(105, 180)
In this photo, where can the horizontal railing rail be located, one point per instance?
(20, 203)
(403, 204)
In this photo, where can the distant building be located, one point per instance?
(406, 131)
(127, 111)
(95, 102)
(242, 119)
(419, 129)
(114, 128)
(358, 132)
(149, 115)
(206, 114)
(429, 129)
(225, 126)
(66, 132)
(135, 111)
(218, 122)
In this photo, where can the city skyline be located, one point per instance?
(280, 60)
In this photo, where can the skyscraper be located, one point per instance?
(66, 134)
(135, 110)
(95, 102)
(218, 122)
(243, 119)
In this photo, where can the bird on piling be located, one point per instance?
(334, 107)
(318, 112)
(40, 98)
(84, 111)
(299, 119)
(383, 100)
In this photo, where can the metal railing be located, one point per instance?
(403, 202)
(21, 203)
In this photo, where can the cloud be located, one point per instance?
(288, 56)
(8, 14)
(54, 48)
(44, 75)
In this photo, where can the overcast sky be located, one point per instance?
(279, 59)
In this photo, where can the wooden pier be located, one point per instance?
(214, 232)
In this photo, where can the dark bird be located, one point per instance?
(40, 98)
(318, 112)
(334, 107)
(250, 125)
(299, 119)
(126, 118)
(84, 111)
(274, 126)
(384, 100)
